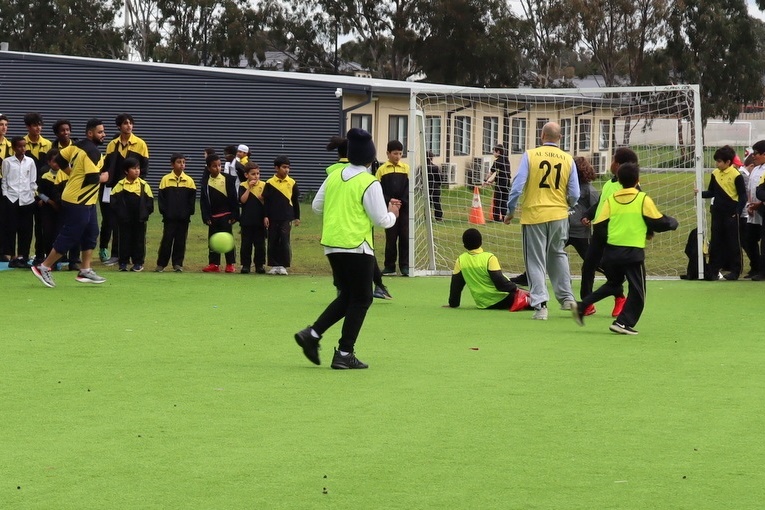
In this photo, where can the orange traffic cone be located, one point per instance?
(476, 211)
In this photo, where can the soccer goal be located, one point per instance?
(461, 127)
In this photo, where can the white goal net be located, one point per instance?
(461, 128)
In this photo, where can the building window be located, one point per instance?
(605, 135)
(433, 135)
(565, 135)
(540, 124)
(462, 136)
(398, 129)
(490, 134)
(585, 134)
(362, 121)
(518, 135)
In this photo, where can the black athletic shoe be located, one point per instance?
(618, 327)
(731, 277)
(260, 270)
(389, 270)
(577, 310)
(520, 280)
(340, 362)
(309, 344)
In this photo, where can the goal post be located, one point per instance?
(461, 126)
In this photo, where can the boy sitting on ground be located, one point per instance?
(481, 272)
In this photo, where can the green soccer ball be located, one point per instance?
(221, 242)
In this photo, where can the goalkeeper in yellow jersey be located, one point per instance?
(480, 271)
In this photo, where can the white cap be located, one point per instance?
(243, 148)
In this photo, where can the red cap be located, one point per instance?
(737, 161)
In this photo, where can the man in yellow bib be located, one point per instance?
(547, 180)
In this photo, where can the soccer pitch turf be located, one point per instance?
(188, 391)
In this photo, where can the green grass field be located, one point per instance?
(159, 391)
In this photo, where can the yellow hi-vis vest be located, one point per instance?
(346, 224)
(475, 271)
(626, 226)
(545, 195)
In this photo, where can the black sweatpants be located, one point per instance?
(352, 275)
(724, 244)
(253, 239)
(19, 225)
(634, 273)
(279, 247)
(109, 229)
(132, 242)
(750, 240)
(397, 242)
(173, 243)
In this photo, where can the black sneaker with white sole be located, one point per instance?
(618, 327)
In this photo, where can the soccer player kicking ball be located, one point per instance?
(627, 219)
(79, 222)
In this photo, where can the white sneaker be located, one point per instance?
(282, 270)
(44, 275)
(540, 313)
(274, 270)
(89, 276)
(567, 305)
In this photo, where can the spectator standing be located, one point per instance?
(125, 145)
(132, 203)
(48, 204)
(177, 201)
(281, 208)
(220, 210)
(434, 187)
(62, 131)
(394, 178)
(728, 191)
(251, 220)
(37, 145)
(19, 188)
(500, 176)
(5, 151)
(751, 237)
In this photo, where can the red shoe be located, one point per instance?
(211, 268)
(618, 305)
(230, 268)
(589, 310)
(520, 300)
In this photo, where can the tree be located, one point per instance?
(646, 26)
(551, 37)
(484, 29)
(69, 27)
(603, 25)
(712, 43)
(383, 29)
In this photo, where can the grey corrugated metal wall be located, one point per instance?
(177, 110)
